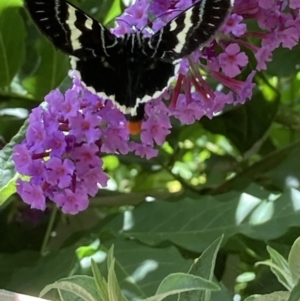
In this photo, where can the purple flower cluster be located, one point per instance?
(63, 142)
(61, 152)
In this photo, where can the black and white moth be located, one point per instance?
(131, 69)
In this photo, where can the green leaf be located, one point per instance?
(294, 260)
(140, 268)
(110, 257)
(7, 171)
(114, 291)
(180, 282)
(277, 296)
(76, 288)
(12, 37)
(279, 266)
(295, 293)
(52, 70)
(184, 281)
(278, 272)
(110, 162)
(103, 11)
(223, 294)
(283, 274)
(285, 167)
(291, 60)
(193, 223)
(204, 268)
(114, 11)
(279, 168)
(100, 282)
(8, 190)
(252, 298)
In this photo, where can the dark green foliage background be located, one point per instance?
(237, 174)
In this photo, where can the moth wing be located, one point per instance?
(70, 29)
(190, 30)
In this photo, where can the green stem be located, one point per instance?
(48, 231)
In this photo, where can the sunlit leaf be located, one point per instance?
(140, 268)
(295, 293)
(180, 282)
(283, 274)
(114, 291)
(203, 267)
(193, 223)
(74, 287)
(277, 296)
(100, 282)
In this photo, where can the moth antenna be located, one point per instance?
(129, 25)
(169, 12)
(158, 17)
